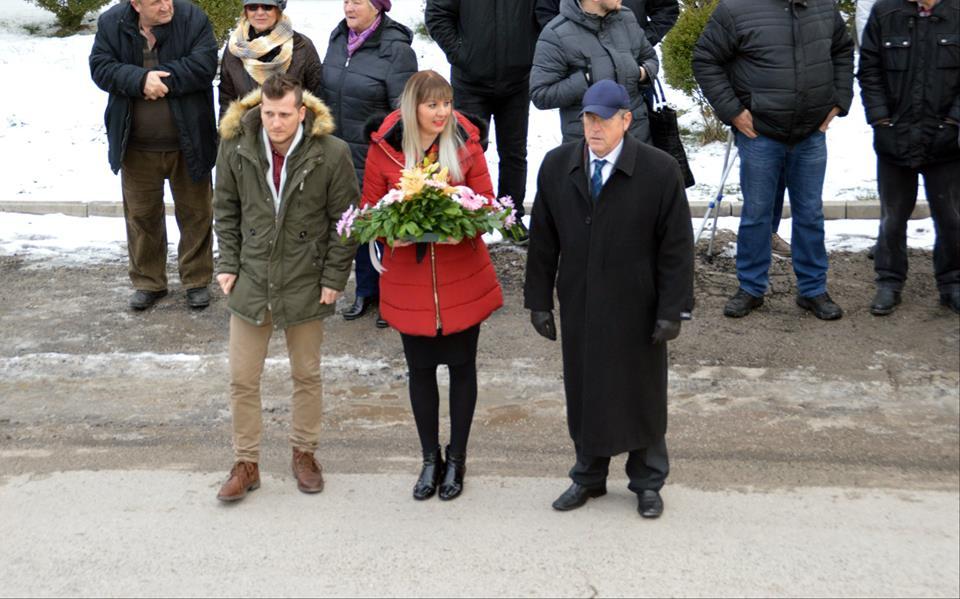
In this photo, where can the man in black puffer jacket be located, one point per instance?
(489, 44)
(910, 85)
(157, 60)
(778, 71)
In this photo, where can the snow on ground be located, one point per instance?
(54, 142)
(149, 365)
(57, 240)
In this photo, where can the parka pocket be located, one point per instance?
(948, 51)
(885, 140)
(896, 53)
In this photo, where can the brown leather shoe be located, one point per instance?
(244, 477)
(307, 471)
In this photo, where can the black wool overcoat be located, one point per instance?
(619, 265)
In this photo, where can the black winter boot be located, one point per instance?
(452, 484)
(429, 476)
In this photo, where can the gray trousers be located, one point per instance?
(647, 468)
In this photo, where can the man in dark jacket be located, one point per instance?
(778, 71)
(489, 44)
(624, 248)
(157, 60)
(592, 40)
(910, 85)
(655, 17)
(282, 264)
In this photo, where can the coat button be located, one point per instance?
(588, 220)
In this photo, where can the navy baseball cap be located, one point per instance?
(604, 98)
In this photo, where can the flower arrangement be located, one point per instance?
(425, 207)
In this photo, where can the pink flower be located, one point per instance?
(505, 202)
(393, 196)
(345, 224)
(470, 200)
(511, 219)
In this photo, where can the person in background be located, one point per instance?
(910, 86)
(369, 59)
(778, 72)
(157, 60)
(264, 44)
(435, 294)
(490, 44)
(592, 40)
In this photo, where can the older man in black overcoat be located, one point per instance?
(611, 226)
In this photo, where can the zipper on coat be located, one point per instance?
(433, 273)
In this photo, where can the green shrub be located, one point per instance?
(223, 14)
(677, 50)
(70, 13)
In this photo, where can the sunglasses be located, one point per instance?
(256, 7)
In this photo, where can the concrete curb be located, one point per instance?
(861, 209)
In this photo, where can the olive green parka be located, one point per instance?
(282, 256)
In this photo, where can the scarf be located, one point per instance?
(250, 51)
(355, 40)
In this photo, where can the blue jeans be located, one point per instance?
(763, 161)
(368, 279)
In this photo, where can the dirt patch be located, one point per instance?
(778, 398)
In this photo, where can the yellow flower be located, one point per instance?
(412, 182)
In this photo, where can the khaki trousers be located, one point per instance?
(248, 351)
(142, 175)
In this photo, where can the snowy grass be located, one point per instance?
(55, 240)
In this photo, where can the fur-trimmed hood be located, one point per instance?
(241, 116)
(389, 128)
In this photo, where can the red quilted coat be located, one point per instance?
(453, 287)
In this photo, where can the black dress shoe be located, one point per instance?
(821, 306)
(741, 304)
(649, 504)
(951, 299)
(359, 307)
(141, 300)
(381, 323)
(429, 476)
(198, 297)
(452, 484)
(576, 496)
(885, 301)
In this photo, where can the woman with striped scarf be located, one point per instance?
(262, 44)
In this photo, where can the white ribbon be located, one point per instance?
(374, 259)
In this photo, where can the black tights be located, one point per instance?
(425, 398)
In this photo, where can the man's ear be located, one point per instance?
(135, 5)
(303, 111)
(627, 119)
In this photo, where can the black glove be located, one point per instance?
(542, 321)
(665, 330)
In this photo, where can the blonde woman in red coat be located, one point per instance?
(435, 294)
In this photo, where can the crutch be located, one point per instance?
(729, 159)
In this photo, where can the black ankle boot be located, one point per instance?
(452, 484)
(429, 476)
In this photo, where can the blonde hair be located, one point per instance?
(424, 87)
